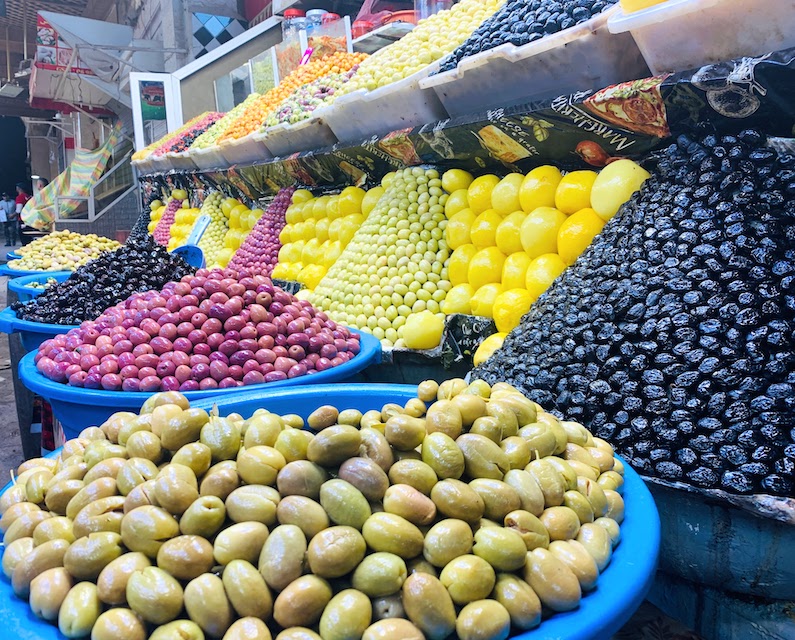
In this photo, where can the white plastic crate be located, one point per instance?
(246, 150)
(144, 167)
(209, 158)
(181, 161)
(306, 135)
(400, 105)
(585, 56)
(686, 34)
(160, 164)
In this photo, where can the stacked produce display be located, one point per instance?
(198, 126)
(212, 240)
(61, 251)
(240, 221)
(211, 136)
(140, 265)
(165, 216)
(671, 336)
(215, 329)
(258, 528)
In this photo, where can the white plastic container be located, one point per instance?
(687, 34)
(209, 158)
(362, 114)
(306, 135)
(143, 167)
(585, 56)
(246, 150)
(160, 164)
(181, 161)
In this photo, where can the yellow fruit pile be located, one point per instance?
(184, 220)
(240, 221)
(61, 251)
(317, 231)
(212, 240)
(512, 237)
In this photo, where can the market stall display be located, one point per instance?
(183, 141)
(395, 265)
(670, 335)
(212, 240)
(260, 250)
(61, 251)
(537, 551)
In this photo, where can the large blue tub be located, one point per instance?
(77, 408)
(25, 292)
(5, 270)
(32, 334)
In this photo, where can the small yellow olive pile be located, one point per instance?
(463, 511)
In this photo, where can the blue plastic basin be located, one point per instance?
(32, 334)
(12, 255)
(77, 408)
(26, 293)
(621, 587)
(5, 270)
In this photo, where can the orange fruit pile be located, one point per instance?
(253, 117)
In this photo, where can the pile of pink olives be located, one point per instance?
(260, 251)
(215, 329)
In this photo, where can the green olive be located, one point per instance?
(581, 454)
(186, 557)
(524, 409)
(262, 430)
(517, 450)
(142, 495)
(405, 433)
(407, 502)
(248, 629)
(59, 527)
(530, 494)
(529, 527)
(344, 503)
(183, 428)
(468, 578)
(392, 629)
(301, 478)
(483, 619)
(293, 444)
(154, 595)
(246, 589)
(255, 503)
(204, 517)
(59, 495)
(456, 499)
(241, 541)
(471, 407)
(519, 600)
(421, 565)
(612, 528)
(208, 606)
(499, 498)
(304, 513)
(502, 548)
(88, 556)
(565, 470)
(393, 534)
(223, 438)
(119, 623)
(595, 496)
(46, 556)
(298, 633)
(549, 480)
(578, 503)
(164, 399)
(615, 506)
(282, 557)
(15, 553)
(260, 465)
(429, 605)
(376, 448)
(178, 630)
(442, 454)
(445, 417)
(99, 450)
(194, 455)
(597, 542)
(146, 528)
(100, 488)
(16, 494)
(366, 476)
(370, 419)
(427, 390)
(322, 417)
(16, 511)
(389, 410)
(414, 408)
(451, 388)
(144, 444)
(113, 425)
(380, 574)
(104, 514)
(576, 433)
(506, 418)
(388, 607)
(335, 444)
(47, 592)
(36, 485)
(489, 427)
(70, 471)
(112, 581)
(540, 438)
(107, 468)
(561, 522)
(618, 466)
(578, 560)
(220, 480)
(446, 540)
(554, 424)
(335, 551)
(610, 480)
(24, 525)
(79, 610)
(135, 471)
(302, 601)
(554, 583)
(414, 473)
(482, 457)
(346, 616)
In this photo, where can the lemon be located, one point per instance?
(371, 199)
(457, 231)
(539, 231)
(509, 307)
(156, 204)
(333, 208)
(458, 267)
(301, 195)
(505, 196)
(334, 229)
(456, 201)
(423, 330)
(574, 191)
(614, 185)
(485, 267)
(479, 192)
(514, 270)
(577, 233)
(311, 275)
(488, 347)
(293, 214)
(351, 200)
(538, 188)
(321, 229)
(508, 236)
(331, 252)
(456, 179)
(542, 272)
(280, 271)
(484, 230)
(483, 300)
(459, 299)
(387, 179)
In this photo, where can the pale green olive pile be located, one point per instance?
(463, 511)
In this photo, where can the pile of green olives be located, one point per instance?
(468, 510)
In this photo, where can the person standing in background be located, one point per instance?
(8, 216)
(21, 200)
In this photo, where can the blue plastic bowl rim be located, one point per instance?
(369, 353)
(9, 321)
(20, 285)
(5, 270)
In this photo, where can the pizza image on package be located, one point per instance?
(635, 106)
